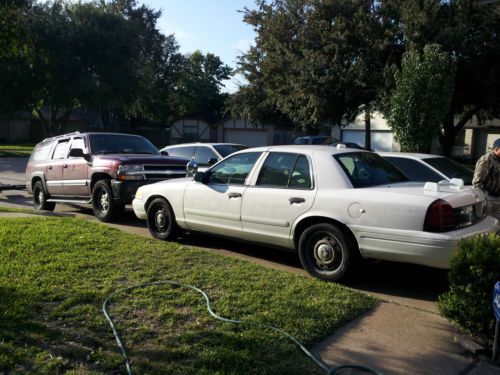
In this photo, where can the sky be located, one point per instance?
(211, 26)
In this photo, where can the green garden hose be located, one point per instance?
(328, 371)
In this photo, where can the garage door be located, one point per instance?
(250, 138)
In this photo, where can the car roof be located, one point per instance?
(410, 155)
(87, 133)
(327, 149)
(203, 143)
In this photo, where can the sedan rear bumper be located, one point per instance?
(425, 248)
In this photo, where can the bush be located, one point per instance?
(475, 268)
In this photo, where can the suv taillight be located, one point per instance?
(440, 217)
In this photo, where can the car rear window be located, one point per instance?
(365, 169)
(451, 169)
(414, 169)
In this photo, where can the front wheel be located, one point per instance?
(40, 198)
(326, 252)
(105, 208)
(161, 220)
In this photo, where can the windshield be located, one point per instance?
(451, 169)
(365, 169)
(225, 150)
(120, 144)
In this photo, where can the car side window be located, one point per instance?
(42, 151)
(77, 143)
(181, 152)
(204, 155)
(415, 170)
(234, 170)
(285, 170)
(61, 150)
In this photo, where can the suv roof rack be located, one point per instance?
(59, 136)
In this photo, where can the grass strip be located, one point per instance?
(56, 272)
(16, 150)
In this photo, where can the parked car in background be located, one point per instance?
(205, 154)
(314, 140)
(348, 145)
(331, 205)
(101, 169)
(426, 167)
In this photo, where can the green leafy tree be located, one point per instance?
(315, 61)
(421, 98)
(468, 31)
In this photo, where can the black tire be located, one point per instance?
(326, 252)
(161, 220)
(40, 198)
(103, 204)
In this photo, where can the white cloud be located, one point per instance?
(242, 45)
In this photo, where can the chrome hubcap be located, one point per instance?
(324, 253)
(104, 201)
(40, 197)
(160, 219)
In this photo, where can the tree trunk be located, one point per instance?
(451, 130)
(368, 134)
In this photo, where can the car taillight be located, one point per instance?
(440, 217)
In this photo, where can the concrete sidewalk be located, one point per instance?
(400, 336)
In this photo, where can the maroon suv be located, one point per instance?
(102, 169)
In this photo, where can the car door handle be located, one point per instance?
(50, 166)
(296, 200)
(65, 166)
(234, 195)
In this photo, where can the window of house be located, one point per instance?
(190, 132)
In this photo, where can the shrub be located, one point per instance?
(475, 268)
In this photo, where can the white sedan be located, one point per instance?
(332, 205)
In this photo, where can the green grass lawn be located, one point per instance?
(13, 150)
(56, 272)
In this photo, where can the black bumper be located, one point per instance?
(124, 191)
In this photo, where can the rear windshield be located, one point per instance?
(365, 169)
(120, 144)
(451, 169)
(226, 150)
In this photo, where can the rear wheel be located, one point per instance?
(161, 220)
(40, 198)
(326, 252)
(105, 208)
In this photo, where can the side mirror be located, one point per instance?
(200, 177)
(212, 161)
(76, 153)
(192, 166)
(163, 152)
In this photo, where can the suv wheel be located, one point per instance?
(105, 208)
(40, 198)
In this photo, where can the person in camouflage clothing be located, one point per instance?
(487, 178)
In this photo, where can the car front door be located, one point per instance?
(214, 205)
(54, 169)
(75, 172)
(283, 191)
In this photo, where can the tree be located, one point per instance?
(421, 98)
(468, 32)
(316, 61)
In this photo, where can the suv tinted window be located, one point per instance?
(366, 169)
(61, 150)
(415, 170)
(42, 151)
(285, 170)
(234, 170)
(203, 155)
(182, 152)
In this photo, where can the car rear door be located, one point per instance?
(54, 168)
(283, 190)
